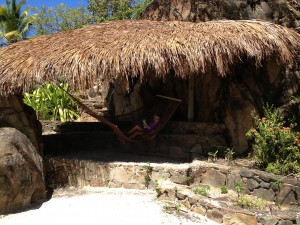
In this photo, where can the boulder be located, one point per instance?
(215, 215)
(14, 113)
(21, 172)
(267, 194)
(239, 219)
(214, 178)
(283, 12)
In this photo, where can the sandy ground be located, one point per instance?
(97, 206)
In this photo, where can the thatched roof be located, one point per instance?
(135, 48)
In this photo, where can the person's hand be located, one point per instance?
(145, 124)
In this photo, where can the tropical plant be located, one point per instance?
(52, 103)
(14, 24)
(229, 155)
(238, 187)
(276, 143)
(213, 155)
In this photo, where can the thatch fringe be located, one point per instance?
(141, 48)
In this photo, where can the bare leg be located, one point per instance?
(134, 129)
(135, 134)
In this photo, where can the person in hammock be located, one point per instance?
(138, 130)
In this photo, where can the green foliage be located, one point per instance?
(140, 7)
(107, 10)
(276, 146)
(202, 190)
(213, 155)
(147, 178)
(157, 186)
(224, 189)
(175, 205)
(247, 201)
(251, 202)
(229, 155)
(277, 184)
(52, 103)
(273, 168)
(14, 24)
(61, 18)
(238, 187)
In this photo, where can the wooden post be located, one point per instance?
(191, 97)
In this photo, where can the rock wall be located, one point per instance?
(284, 12)
(175, 182)
(284, 191)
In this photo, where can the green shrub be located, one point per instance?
(276, 146)
(202, 190)
(213, 155)
(238, 187)
(251, 202)
(147, 178)
(229, 155)
(52, 103)
(224, 189)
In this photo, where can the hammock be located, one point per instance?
(164, 106)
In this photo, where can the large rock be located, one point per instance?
(267, 194)
(213, 177)
(284, 12)
(21, 172)
(14, 113)
(239, 219)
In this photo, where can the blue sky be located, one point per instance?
(51, 3)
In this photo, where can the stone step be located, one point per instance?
(175, 182)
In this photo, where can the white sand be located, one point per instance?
(101, 206)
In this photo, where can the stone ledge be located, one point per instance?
(176, 181)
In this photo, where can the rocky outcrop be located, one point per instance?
(14, 113)
(284, 12)
(21, 172)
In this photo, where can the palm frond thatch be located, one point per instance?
(141, 48)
